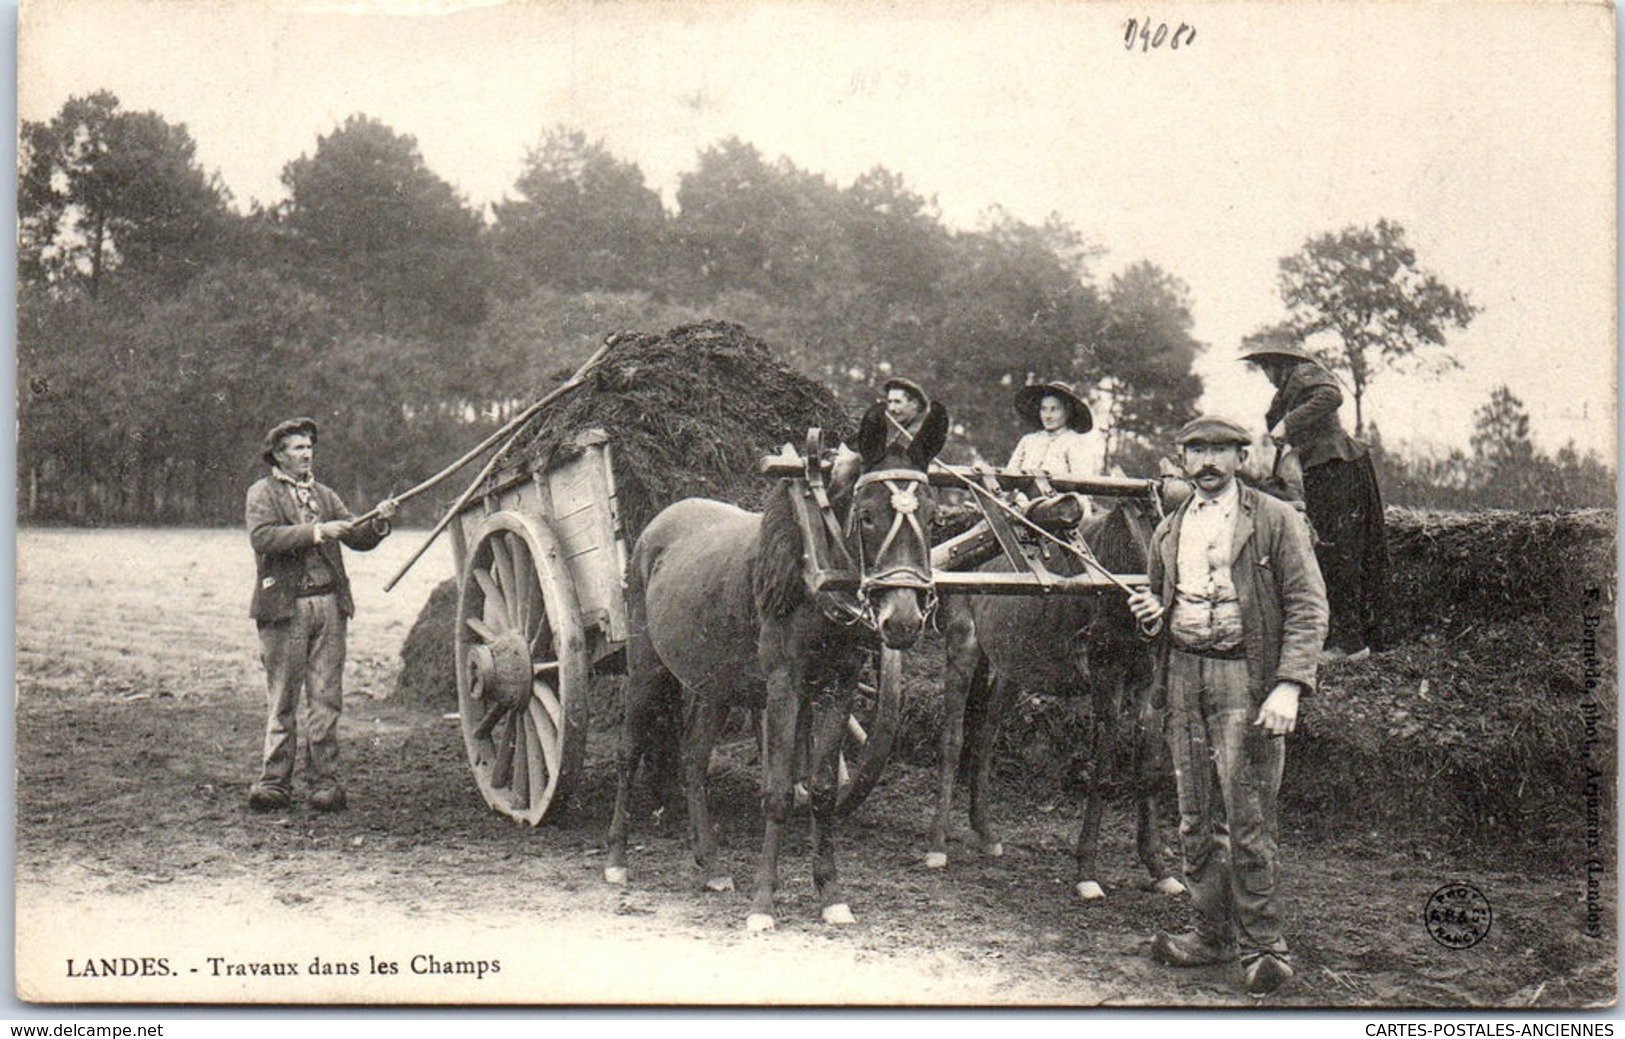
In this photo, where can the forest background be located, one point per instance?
(161, 327)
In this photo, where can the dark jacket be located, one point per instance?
(1283, 597)
(282, 540)
(1308, 405)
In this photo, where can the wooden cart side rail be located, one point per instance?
(1007, 479)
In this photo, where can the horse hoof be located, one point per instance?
(995, 850)
(614, 874)
(759, 922)
(936, 860)
(1090, 891)
(725, 883)
(1170, 886)
(839, 914)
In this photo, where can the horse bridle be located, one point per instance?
(903, 484)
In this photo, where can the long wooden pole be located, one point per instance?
(511, 429)
(987, 496)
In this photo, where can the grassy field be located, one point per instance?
(155, 613)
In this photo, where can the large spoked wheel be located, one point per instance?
(877, 712)
(521, 667)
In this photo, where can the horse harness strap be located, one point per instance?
(820, 494)
(905, 502)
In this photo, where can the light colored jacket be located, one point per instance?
(1055, 454)
(1283, 597)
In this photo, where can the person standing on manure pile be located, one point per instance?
(1340, 491)
(301, 605)
(906, 403)
(1233, 572)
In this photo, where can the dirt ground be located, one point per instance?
(139, 715)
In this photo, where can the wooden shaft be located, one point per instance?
(944, 475)
(510, 426)
(445, 521)
(1002, 582)
(512, 430)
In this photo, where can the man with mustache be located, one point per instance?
(906, 404)
(1233, 574)
(302, 605)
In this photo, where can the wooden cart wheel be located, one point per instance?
(521, 667)
(877, 713)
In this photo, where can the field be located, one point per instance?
(139, 714)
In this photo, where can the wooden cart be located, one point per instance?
(540, 556)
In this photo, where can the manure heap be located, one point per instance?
(689, 414)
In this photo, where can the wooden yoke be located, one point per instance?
(828, 566)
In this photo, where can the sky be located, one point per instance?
(1486, 130)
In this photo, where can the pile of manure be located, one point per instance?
(689, 413)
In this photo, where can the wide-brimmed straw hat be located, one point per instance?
(285, 428)
(1279, 350)
(1028, 398)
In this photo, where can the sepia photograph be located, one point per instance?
(778, 503)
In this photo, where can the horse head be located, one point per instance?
(890, 505)
(1172, 486)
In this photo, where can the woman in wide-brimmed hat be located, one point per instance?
(1340, 493)
(1057, 445)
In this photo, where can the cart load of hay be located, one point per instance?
(689, 413)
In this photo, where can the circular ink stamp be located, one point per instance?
(1457, 916)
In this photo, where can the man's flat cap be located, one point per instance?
(285, 428)
(908, 386)
(1212, 429)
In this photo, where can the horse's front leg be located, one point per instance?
(784, 688)
(1001, 695)
(829, 716)
(1148, 836)
(1105, 685)
(966, 676)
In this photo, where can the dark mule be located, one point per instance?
(1002, 646)
(721, 617)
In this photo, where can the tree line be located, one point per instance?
(1501, 469)
(161, 328)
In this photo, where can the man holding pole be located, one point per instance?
(302, 605)
(1235, 575)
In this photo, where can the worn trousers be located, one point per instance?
(303, 654)
(1229, 774)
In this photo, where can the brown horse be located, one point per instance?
(721, 617)
(1001, 646)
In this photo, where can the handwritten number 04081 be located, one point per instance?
(1148, 37)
